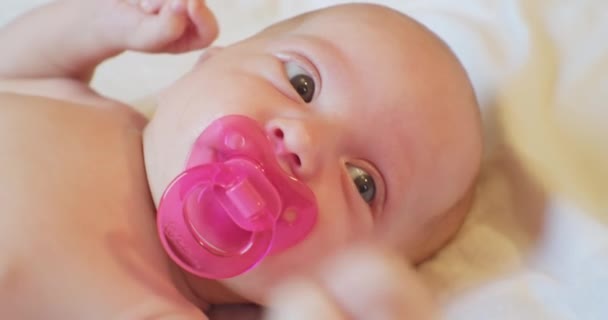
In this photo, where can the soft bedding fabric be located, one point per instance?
(535, 245)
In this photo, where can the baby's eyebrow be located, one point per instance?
(394, 170)
(324, 51)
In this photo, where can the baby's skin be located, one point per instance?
(373, 112)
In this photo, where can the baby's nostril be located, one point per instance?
(278, 133)
(297, 160)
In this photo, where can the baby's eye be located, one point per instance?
(301, 81)
(364, 182)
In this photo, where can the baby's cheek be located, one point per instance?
(331, 231)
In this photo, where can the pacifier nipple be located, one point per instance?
(221, 217)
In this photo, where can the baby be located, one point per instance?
(372, 112)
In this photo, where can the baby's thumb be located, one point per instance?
(204, 21)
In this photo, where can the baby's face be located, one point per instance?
(376, 117)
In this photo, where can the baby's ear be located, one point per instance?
(209, 52)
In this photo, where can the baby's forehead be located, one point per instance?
(350, 18)
(387, 62)
(384, 34)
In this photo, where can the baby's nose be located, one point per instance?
(295, 146)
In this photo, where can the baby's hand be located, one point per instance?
(361, 284)
(157, 26)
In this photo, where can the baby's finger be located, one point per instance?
(151, 6)
(154, 33)
(370, 284)
(204, 21)
(300, 300)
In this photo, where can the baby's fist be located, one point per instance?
(167, 26)
(361, 283)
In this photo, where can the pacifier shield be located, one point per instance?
(226, 211)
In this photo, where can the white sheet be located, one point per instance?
(522, 254)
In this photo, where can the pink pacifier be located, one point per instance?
(233, 205)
